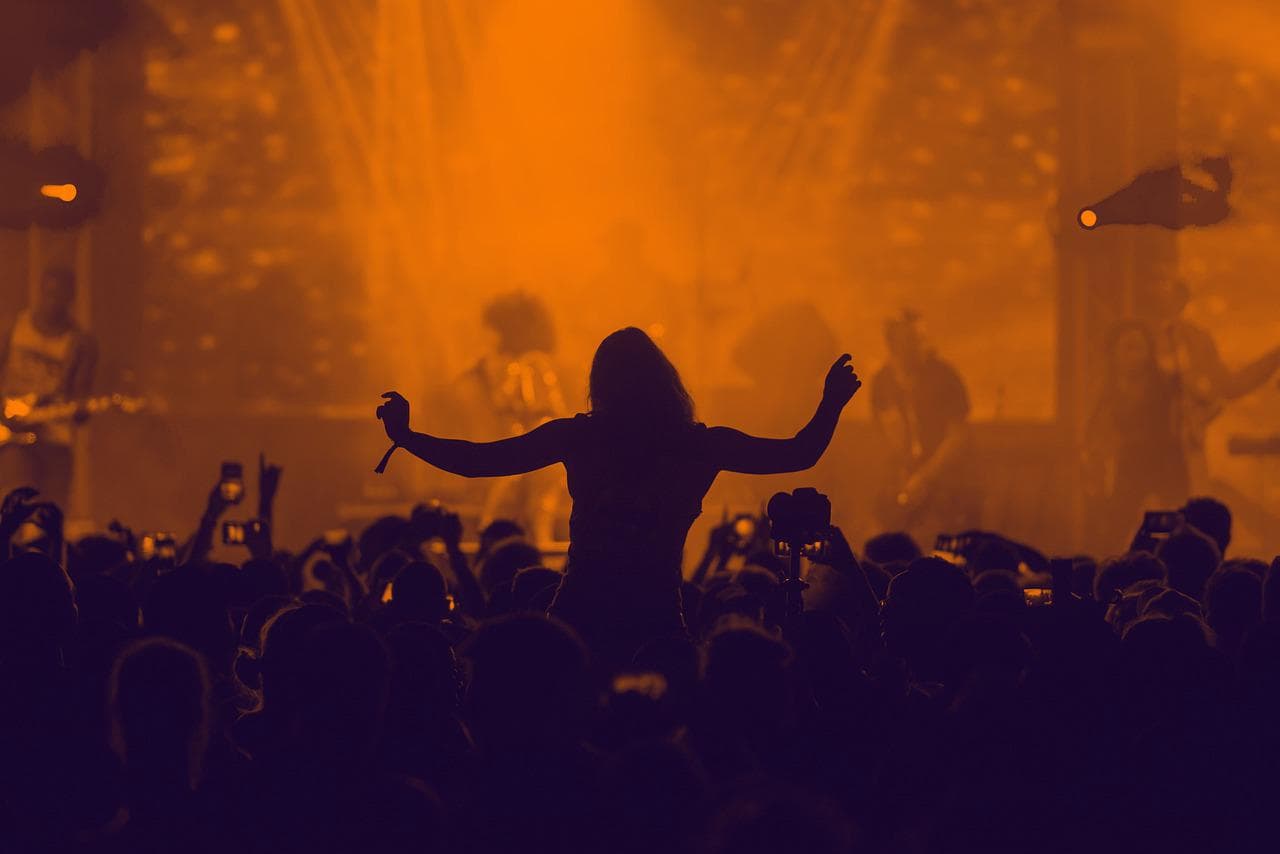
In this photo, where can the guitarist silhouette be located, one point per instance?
(1189, 353)
(46, 359)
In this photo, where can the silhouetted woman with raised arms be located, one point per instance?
(638, 467)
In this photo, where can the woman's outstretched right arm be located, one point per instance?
(542, 446)
(733, 450)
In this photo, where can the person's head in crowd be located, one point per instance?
(836, 592)
(328, 599)
(504, 560)
(985, 657)
(102, 598)
(997, 592)
(678, 659)
(993, 553)
(764, 558)
(1117, 573)
(94, 555)
(192, 607)
(1129, 603)
(1210, 517)
(1170, 603)
(891, 547)
(746, 679)
(37, 611)
(529, 686)
(384, 570)
(728, 600)
(343, 680)
(1170, 659)
(922, 605)
(159, 713)
(426, 681)
(533, 588)
(1232, 606)
(1248, 564)
(520, 323)
(633, 385)
(382, 535)
(258, 577)
(496, 532)
(1191, 557)
(418, 594)
(636, 709)
(764, 585)
(284, 639)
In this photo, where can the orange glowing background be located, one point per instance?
(697, 170)
(331, 190)
(632, 171)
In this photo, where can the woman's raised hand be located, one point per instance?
(395, 416)
(842, 383)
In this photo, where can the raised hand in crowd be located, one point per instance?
(18, 506)
(841, 382)
(268, 484)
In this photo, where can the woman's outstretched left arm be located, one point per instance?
(542, 446)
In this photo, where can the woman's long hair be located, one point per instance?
(634, 385)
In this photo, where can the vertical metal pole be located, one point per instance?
(36, 138)
(793, 593)
(1117, 96)
(81, 483)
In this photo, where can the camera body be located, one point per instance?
(800, 521)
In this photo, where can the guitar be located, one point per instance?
(22, 418)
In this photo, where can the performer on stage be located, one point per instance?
(1187, 351)
(46, 358)
(921, 406)
(1135, 457)
(510, 390)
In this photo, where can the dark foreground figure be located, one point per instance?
(639, 466)
(384, 694)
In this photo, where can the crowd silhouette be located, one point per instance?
(391, 693)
